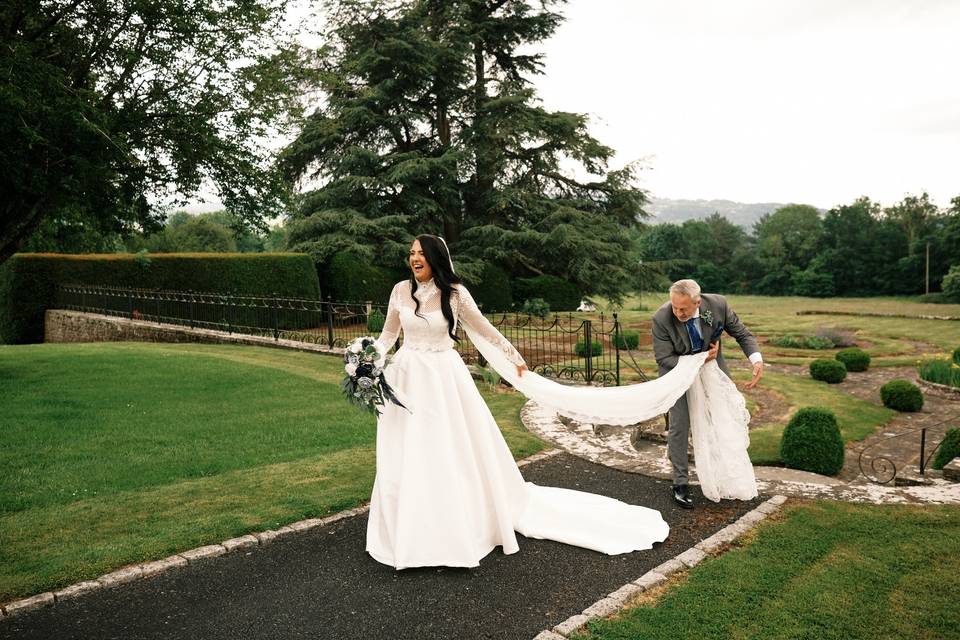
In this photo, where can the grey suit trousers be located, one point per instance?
(677, 438)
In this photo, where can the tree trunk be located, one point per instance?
(14, 233)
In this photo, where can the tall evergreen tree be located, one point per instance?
(429, 123)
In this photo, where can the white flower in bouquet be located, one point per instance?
(364, 385)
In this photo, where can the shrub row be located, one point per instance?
(28, 281)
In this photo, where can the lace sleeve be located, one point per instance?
(472, 320)
(391, 327)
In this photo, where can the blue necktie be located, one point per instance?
(695, 340)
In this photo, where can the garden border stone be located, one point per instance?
(617, 600)
(941, 388)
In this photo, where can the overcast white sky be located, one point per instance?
(811, 101)
(769, 100)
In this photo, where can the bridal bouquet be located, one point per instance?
(364, 385)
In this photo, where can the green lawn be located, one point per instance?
(892, 341)
(117, 453)
(824, 571)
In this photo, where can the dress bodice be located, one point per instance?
(425, 328)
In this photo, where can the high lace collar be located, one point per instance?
(426, 289)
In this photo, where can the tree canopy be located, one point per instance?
(110, 109)
(429, 124)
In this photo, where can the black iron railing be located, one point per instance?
(562, 346)
(881, 468)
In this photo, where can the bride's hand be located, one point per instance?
(520, 369)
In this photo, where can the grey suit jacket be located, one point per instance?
(671, 339)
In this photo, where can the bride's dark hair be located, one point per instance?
(438, 257)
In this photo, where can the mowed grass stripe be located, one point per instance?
(55, 545)
(824, 570)
(78, 422)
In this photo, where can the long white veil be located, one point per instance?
(718, 415)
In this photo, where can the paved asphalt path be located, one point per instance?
(321, 584)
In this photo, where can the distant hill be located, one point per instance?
(739, 213)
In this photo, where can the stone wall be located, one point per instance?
(77, 326)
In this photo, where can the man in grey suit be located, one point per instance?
(690, 323)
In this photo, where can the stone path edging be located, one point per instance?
(154, 567)
(618, 600)
(942, 388)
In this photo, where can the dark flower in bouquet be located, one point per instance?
(364, 386)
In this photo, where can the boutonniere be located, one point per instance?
(707, 316)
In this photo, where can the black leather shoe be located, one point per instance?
(681, 495)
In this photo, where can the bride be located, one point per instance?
(447, 490)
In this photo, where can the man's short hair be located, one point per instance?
(686, 288)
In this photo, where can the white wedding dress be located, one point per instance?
(447, 490)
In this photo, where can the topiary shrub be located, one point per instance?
(949, 449)
(854, 359)
(811, 442)
(581, 349)
(375, 321)
(536, 307)
(829, 371)
(628, 339)
(901, 395)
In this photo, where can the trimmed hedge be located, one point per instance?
(854, 359)
(628, 339)
(493, 292)
(581, 348)
(949, 449)
(901, 395)
(812, 442)
(348, 278)
(829, 371)
(28, 281)
(559, 294)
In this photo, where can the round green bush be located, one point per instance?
(811, 442)
(581, 349)
(829, 371)
(956, 355)
(375, 321)
(854, 359)
(628, 340)
(949, 449)
(901, 395)
(536, 307)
